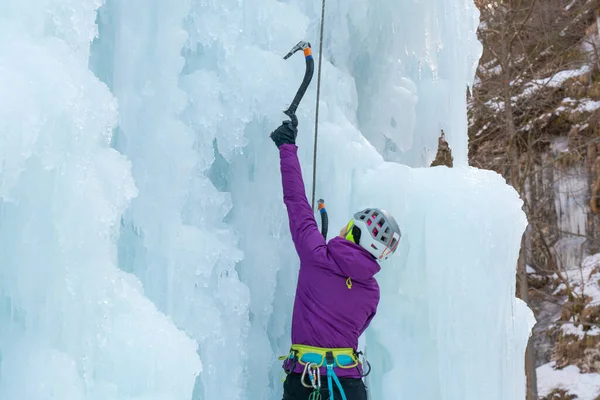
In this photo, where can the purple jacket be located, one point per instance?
(326, 312)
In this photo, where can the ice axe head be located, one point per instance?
(300, 46)
(305, 47)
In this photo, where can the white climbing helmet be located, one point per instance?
(379, 232)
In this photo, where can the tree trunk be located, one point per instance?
(532, 393)
(518, 184)
(523, 294)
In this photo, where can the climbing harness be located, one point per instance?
(312, 358)
(344, 357)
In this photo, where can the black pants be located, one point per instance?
(294, 390)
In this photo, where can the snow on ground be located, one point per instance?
(495, 105)
(570, 329)
(567, 103)
(555, 80)
(571, 4)
(588, 105)
(487, 125)
(580, 106)
(583, 280)
(585, 386)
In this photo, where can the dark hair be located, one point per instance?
(356, 234)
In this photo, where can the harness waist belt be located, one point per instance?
(338, 357)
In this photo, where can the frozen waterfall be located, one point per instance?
(144, 245)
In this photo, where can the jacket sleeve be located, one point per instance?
(303, 227)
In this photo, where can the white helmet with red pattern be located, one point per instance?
(379, 232)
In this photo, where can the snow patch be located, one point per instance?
(584, 281)
(570, 5)
(587, 105)
(585, 386)
(487, 125)
(495, 105)
(554, 81)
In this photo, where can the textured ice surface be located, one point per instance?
(448, 327)
(142, 227)
(72, 324)
(570, 200)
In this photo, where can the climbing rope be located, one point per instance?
(317, 107)
(291, 111)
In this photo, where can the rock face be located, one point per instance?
(534, 117)
(444, 153)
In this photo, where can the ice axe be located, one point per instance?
(291, 111)
(308, 74)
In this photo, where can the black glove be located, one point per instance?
(286, 133)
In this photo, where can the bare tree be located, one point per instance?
(527, 43)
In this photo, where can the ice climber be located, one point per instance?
(337, 294)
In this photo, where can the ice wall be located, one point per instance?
(448, 326)
(571, 188)
(72, 324)
(156, 159)
(412, 63)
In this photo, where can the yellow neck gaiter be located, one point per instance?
(349, 235)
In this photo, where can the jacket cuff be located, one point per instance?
(288, 147)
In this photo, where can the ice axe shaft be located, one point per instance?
(324, 218)
(308, 74)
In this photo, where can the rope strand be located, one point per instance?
(317, 108)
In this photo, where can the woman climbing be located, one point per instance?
(337, 294)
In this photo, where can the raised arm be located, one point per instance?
(303, 226)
